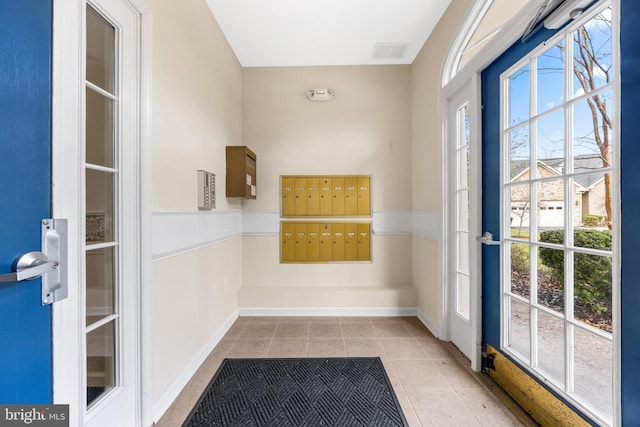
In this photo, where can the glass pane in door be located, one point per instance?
(100, 280)
(463, 205)
(100, 361)
(593, 375)
(100, 204)
(99, 129)
(550, 76)
(519, 101)
(101, 37)
(551, 348)
(101, 208)
(519, 331)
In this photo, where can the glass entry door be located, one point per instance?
(550, 174)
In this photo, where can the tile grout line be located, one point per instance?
(380, 339)
(406, 393)
(513, 408)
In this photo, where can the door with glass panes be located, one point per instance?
(108, 206)
(463, 184)
(550, 180)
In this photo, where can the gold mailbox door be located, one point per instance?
(364, 196)
(338, 196)
(351, 196)
(286, 242)
(301, 244)
(351, 242)
(288, 198)
(364, 242)
(313, 239)
(326, 242)
(338, 242)
(326, 196)
(313, 198)
(301, 193)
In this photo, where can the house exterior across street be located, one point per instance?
(588, 191)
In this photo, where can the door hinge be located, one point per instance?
(488, 362)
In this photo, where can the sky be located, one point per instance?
(550, 95)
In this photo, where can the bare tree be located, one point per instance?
(588, 64)
(521, 212)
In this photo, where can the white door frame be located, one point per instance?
(67, 135)
(448, 95)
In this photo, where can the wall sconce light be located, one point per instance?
(320, 94)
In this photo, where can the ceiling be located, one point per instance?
(279, 33)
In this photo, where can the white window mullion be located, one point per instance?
(568, 215)
(505, 224)
(533, 211)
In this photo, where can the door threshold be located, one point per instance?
(493, 387)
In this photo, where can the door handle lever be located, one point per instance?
(487, 239)
(30, 266)
(50, 264)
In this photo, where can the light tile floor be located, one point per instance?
(433, 387)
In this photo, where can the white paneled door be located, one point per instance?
(462, 226)
(102, 385)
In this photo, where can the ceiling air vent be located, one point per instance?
(389, 50)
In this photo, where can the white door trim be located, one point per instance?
(449, 213)
(67, 135)
(145, 209)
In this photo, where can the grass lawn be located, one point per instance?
(520, 233)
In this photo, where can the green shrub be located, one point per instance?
(592, 273)
(520, 259)
(592, 220)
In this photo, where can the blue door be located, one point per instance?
(630, 195)
(25, 166)
(539, 168)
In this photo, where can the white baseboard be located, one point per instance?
(167, 398)
(428, 324)
(329, 312)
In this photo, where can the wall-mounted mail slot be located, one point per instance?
(318, 242)
(241, 172)
(325, 196)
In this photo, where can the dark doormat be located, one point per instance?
(347, 391)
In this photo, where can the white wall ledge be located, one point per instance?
(175, 233)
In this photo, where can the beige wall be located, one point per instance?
(425, 267)
(348, 135)
(196, 108)
(197, 84)
(190, 304)
(426, 81)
